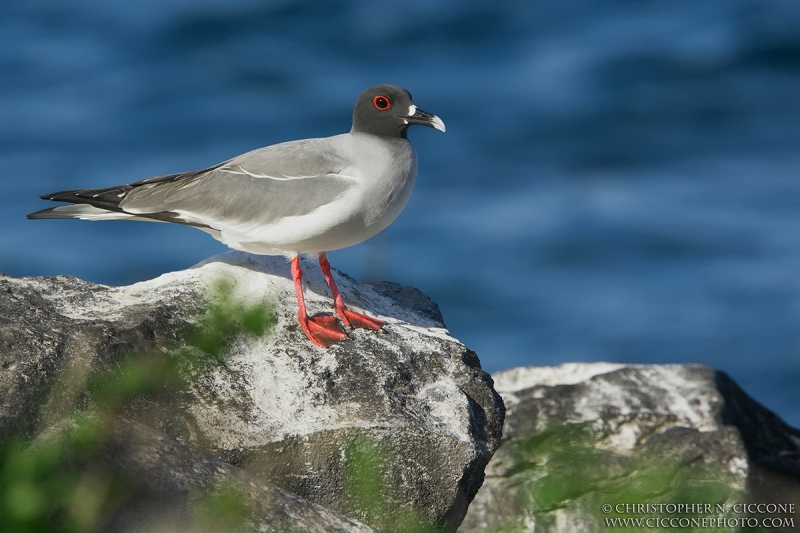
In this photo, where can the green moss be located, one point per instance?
(226, 319)
(224, 508)
(371, 494)
(564, 471)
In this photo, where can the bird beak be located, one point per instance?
(420, 117)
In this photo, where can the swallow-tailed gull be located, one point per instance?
(298, 197)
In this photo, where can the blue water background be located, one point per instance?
(619, 181)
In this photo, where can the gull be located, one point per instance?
(309, 196)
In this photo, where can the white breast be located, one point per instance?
(388, 170)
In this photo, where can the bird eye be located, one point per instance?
(382, 102)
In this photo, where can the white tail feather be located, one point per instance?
(89, 212)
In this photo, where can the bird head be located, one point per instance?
(388, 110)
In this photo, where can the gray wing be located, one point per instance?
(288, 179)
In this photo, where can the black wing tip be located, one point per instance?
(55, 195)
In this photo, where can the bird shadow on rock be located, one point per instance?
(385, 298)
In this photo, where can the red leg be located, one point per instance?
(350, 318)
(322, 331)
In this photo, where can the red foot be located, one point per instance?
(350, 318)
(358, 320)
(323, 330)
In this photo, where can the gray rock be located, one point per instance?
(580, 436)
(279, 408)
(165, 486)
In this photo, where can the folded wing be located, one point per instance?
(284, 180)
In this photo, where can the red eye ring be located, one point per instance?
(382, 103)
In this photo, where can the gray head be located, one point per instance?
(387, 110)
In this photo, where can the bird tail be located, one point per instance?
(85, 212)
(103, 204)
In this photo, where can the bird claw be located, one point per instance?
(359, 320)
(323, 331)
